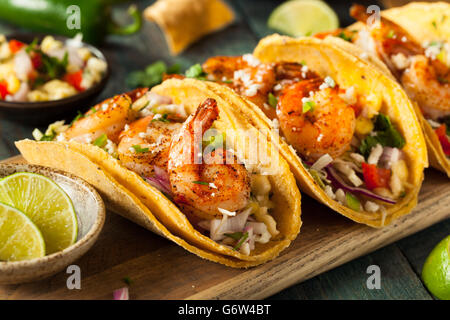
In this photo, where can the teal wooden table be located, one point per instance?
(400, 263)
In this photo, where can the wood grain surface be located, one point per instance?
(161, 270)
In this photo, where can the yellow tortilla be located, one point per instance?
(140, 202)
(185, 21)
(347, 70)
(424, 21)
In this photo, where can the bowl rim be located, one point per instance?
(94, 230)
(56, 103)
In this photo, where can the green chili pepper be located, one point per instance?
(65, 16)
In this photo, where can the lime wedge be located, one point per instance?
(20, 239)
(303, 18)
(46, 204)
(436, 270)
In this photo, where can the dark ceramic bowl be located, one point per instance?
(47, 111)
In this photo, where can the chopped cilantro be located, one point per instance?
(273, 101)
(385, 134)
(139, 149)
(391, 34)
(101, 141)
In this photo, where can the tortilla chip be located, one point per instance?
(185, 21)
(347, 70)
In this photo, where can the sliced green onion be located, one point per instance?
(273, 101)
(194, 71)
(101, 141)
(201, 182)
(37, 134)
(308, 106)
(139, 149)
(352, 202)
(317, 178)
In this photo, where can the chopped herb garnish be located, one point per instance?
(342, 35)
(273, 101)
(93, 110)
(241, 242)
(226, 81)
(152, 75)
(32, 46)
(78, 116)
(391, 34)
(385, 134)
(139, 149)
(352, 202)
(317, 178)
(196, 71)
(101, 141)
(127, 281)
(201, 182)
(434, 24)
(215, 141)
(52, 66)
(308, 33)
(163, 118)
(308, 106)
(303, 63)
(236, 236)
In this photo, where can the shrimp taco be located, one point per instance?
(411, 44)
(174, 160)
(348, 131)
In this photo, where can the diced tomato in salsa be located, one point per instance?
(36, 60)
(74, 79)
(443, 139)
(3, 89)
(15, 45)
(375, 177)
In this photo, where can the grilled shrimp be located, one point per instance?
(108, 117)
(422, 85)
(327, 128)
(425, 79)
(219, 182)
(145, 144)
(250, 78)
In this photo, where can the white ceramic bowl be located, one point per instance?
(90, 212)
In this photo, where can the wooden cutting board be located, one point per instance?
(160, 269)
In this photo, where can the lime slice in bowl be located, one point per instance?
(303, 18)
(436, 270)
(46, 204)
(20, 238)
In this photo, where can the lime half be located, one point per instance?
(46, 204)
(20, 239)
(303, 18)
(436, 270)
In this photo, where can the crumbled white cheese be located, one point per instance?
(375, 154)
(251, 60)
(340, 195)
(371, 206)
(349, 96)
(329, 192)
(212, 185)
(400, 61)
